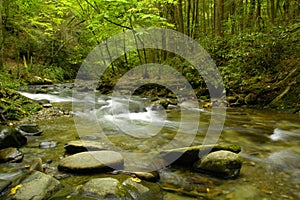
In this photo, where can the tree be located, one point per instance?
(218, 17)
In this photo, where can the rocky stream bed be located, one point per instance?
(49, 156)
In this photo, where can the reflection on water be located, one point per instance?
(269, 141)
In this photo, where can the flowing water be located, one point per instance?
(269, 140)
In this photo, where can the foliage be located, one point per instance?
(13, 105)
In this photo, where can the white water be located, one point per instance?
(51, 97)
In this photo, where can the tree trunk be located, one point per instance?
(251, 14)
(204, 17)
(1, 36)
(196, 20)
(272, 12)
(218, 17)
(188, 18)
(179, 20)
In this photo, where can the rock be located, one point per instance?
(78, 146)
(4, 184)
(36, 165)
(92, 161)
(9, 137)
(224, 163)
(43, 101)
(104, 188)
(10, 154)
(245, 191)
(147, 176)
(47, 105)
(139, 189)
(47, 145)
(29, 130)
(36, 80)
(36, 186)
(130, 189)
(189, 155)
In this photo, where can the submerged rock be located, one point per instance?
(92, 161)
(139, 189)
(104, 188)
(29, 130)
(36, 186)
(9, 137)
(189, 155)
(47, 145)
(10, 155)
(78, 146)
(130, 189)
(224, 163)
(4, 184)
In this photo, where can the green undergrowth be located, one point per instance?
(14, 106)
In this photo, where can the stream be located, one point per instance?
(269, 140)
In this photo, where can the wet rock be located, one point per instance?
(43, 101)
(160, 104)
(104, 188)
(247, 191)
(9, 137)
(4, 184)
(147, 176)
(130, 189)
(29, 130)
(36, 80)
(224, 163)
(47, 105)
(189, 155)
(37, 186)
(142, 190)
(47, 145)
(36, 165)
(10, 155)
(92, 161)
(78, 146)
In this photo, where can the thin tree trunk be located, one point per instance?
(258, 17)
(188, 17)
(218, 17)
(272, 11)
(1, 36)
(204, 17)
(196, 22)
(180, 17)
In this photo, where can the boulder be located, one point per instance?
(221, 163)
(92, 161)
(10, 154)
(104, 188)
(29, 130)
(78, 146)
(36, 186)
(9, 137)
(189, 155)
